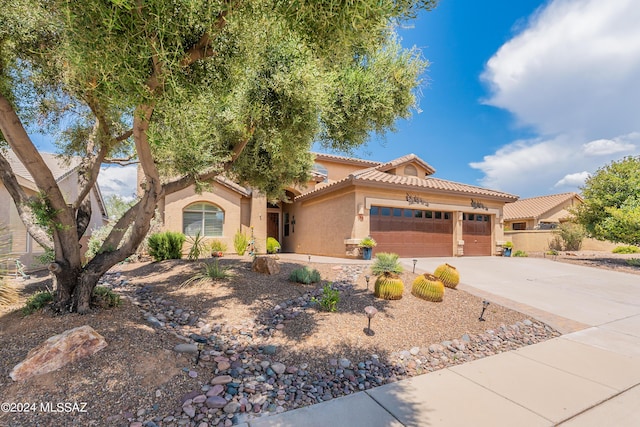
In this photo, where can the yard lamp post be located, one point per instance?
(309, 256)
(485, 304)
(370, 311)
(415, 261)
(367, 277)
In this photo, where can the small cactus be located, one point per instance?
(448, 274)
(388, 287)
(428, 287)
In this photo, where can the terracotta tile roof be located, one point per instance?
(59, 167)
(342, 159)
(233, 185)
(535, 207)
(373, 176)
(409, 158)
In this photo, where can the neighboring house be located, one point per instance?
(23, 247)
(540, 213)
(398, 203)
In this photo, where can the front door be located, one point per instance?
(273, 225)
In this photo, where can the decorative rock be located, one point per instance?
(215, 402)
(269, 349)
(231, 407)
(189, 410)
(59, 350)
(265, 265)
(223, 365)
(186, 348)
(345, 363)
(215, 390)
(278, 368)
(414, 350)
(222, 379)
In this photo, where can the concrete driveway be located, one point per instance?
(590, 296)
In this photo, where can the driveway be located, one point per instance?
(590, 296)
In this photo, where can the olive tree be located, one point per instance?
(611, 208)
(190, 89)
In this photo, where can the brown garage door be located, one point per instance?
(476, 233)
(412, 232)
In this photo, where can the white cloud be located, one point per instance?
(572, 75)
(573, 179)
(118, 180)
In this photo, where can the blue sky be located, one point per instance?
(523, 96)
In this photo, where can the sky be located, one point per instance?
(527, 97)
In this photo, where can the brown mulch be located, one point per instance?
(140, 371)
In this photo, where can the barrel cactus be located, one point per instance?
(428, 287)
(448, 274)
(388, 284)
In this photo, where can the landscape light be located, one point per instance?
(370, 311)
(367, 277)
(485, 304)
(415, 261)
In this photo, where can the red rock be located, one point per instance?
(265, 265)
(59, 350)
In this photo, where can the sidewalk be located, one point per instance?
(590, 377)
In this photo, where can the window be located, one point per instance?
(447, 215)
(321, 170)
(374, 211)
(438, 215)
(397, 212)
(286, 224)
(410, 170)
(385, 211)
(519, 226)
(408, 213)
(417, 214)
(204, 218)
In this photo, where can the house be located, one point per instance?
(398, 203)
(540, 213)
(22, 246)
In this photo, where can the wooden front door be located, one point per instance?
(273, 225)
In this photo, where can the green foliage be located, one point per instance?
(556, 243)
(96, 240)
(386, 264)
(626, 250)
(198, 246)
(117, 205)
(272, 245)
(218, 246)
(571, 235)
(209, 272)
(36, 302)
(508, 244)
(329, 299)
(634, 262)
(520, 253)
(611, 208)
(44, 214)
(46, 258)
(166, 245)
(305, 275)
(368, 242)
(240, 243)
(552, 252)
(105, 297)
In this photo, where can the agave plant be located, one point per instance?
(388, 284)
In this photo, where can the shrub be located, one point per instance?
(368, 242)
(198, 246)
(240, 243)
(305, 275)
(210, 272)
(36, 302)
(218, 246)
(634, 262)
(8, 294)
(166, 245)
(626, 250)
(520, 253)
(552, 252)
(386, 264)
(272, 245)
(105, 297)
(555, 244)
(96, 240)
(571, 235)
(329, 300)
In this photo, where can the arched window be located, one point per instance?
(410, 170)
(205, 218)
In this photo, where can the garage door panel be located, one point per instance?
(476, 233)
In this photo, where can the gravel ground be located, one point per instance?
(266, 347)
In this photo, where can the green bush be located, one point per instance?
(634, 262)
(218, 246)
(520, 253)
(209, 272)
(105, 297)
(552, 252)
(626, 250)
(166, 245)
(304, 275)
(386, 264)
(240, 243)
(272, 245)
(329, 299)
(571, 235)
(36, 302)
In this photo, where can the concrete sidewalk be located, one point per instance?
(590, 377)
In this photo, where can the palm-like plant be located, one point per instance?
(388, 284)
(8, 294)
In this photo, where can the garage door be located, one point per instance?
(412, 232)
(476, 233)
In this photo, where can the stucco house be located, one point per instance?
(22, 246)
(398, 203)
(540, 213)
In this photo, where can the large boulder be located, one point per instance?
(69, 346)
(265, 265)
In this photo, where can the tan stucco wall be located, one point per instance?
(538, 241)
